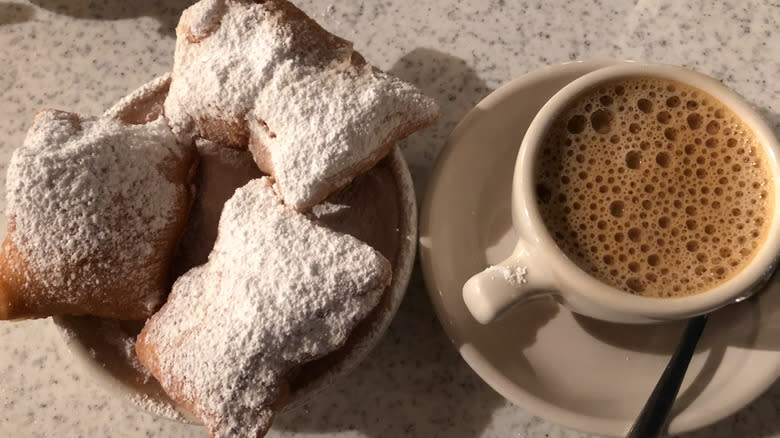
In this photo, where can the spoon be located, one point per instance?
(654, 415)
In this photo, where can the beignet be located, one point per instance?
(95, 210)
(313, 112)
(279, 290)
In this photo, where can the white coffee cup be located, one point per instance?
(538, 267)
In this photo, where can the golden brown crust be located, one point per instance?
(25, 294)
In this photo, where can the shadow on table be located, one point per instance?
(12, 13)
(772, 118)
(414, 383)
(167, 12)
(454, 86)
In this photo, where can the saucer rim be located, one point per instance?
(510, 390)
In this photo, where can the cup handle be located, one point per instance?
(522, 276)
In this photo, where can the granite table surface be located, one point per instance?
(82, 55)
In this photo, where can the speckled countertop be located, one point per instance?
(82, 55)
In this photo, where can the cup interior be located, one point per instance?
(572, 278)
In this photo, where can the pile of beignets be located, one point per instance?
(97, 208)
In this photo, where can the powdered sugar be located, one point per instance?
(86, 196)
(156, 406)
(515, 276)
(278, 290)
(328, 208)
(206, 17)
(307, 99)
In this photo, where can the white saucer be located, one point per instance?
(582, 373)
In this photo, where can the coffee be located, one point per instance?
(654, 187)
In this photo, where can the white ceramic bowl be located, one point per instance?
(105, 348)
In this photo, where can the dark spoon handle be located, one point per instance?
(652, 419)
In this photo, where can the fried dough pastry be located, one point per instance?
(95, 210)
(313, 112)
(279, 290)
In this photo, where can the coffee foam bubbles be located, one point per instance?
(654, 187)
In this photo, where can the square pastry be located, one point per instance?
(95, 210)
(279, 290)
(262, 75)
